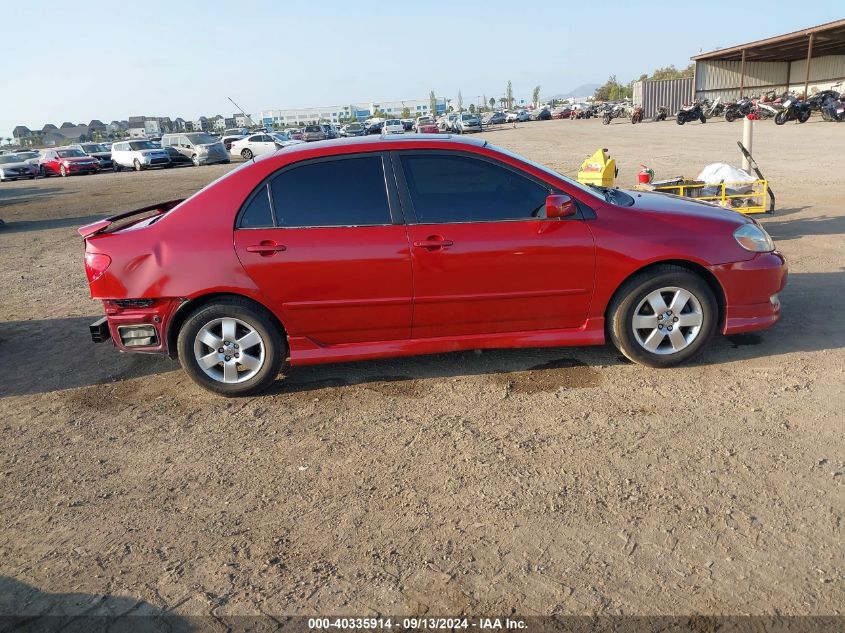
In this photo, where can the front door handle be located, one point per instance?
(265, 248)
(433, 242)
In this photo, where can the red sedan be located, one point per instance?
(65, 162)
(367, 248)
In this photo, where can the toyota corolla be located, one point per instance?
(368, 248)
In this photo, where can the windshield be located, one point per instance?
(70, 153)
(353, 126)
(393, 122)
(142, 145)
(27, 155)
(7, 160)
(313, 128)
(95, 147)
(467, 117)
(199, 138)
(596, 193)
(282, 136)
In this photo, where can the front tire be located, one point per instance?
(663, 316)
(63, 171)
(681, 120)
(137, 164)
(232, 347)
(781, 118)
(195, 160)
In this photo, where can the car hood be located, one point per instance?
(78, 159)
(666, 203)
(100, 154)
(15, 165)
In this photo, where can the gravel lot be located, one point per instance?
(556, 481)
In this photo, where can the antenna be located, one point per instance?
(249, 118)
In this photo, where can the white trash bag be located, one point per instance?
(717, 173)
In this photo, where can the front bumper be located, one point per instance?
(751, 292)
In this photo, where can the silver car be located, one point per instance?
(14, 167)
(467, 123)
(201, 148)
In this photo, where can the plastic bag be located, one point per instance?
(717, 173)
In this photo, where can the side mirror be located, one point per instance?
(560, 206)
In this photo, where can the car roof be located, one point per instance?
(381, 142)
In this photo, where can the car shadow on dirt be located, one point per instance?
(793, 228)
(53, 354)
(59, 354)
(26, 608)
(13, 226)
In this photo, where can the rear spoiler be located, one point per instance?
(101, 225)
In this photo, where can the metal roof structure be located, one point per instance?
(827, 39)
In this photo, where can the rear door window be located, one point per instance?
(337, 192)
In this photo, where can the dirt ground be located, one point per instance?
(557, 481)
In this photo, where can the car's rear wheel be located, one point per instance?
(663, 316)
(116, 166)
(246, 154)
(137, 164)
(231, 347)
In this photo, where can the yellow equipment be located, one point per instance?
(599, 169)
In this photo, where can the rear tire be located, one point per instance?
(246, 154)
(267, 349)
(681, 120)
(116, 166)
(804, 116)
(663, 297)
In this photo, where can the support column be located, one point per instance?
(809, 59)
(742, 75)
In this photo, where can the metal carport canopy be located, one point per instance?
(824, 39)
(828, 39)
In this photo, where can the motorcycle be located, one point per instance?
(793, 109)
(764, 110)
(738, 109)
(662, 113)
(834, 109)
(611, 112)
(690, 113)
(637, 115)
(711, 109)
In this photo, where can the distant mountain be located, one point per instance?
(584, 90)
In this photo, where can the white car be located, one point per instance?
(284, 139)
(257, 144)
(520, 116)
(138, 155)
(393, 126)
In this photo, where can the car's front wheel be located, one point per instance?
(663, 316)
(195, 160)
(231, 347)
(137, 164)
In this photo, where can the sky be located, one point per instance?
(72, 61)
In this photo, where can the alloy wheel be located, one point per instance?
(229, 350)
(667, 320)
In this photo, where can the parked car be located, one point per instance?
(541, 114)
(330, 131)
(353, 129)
(375, 127)
(291, 273)
(15, 167)
(313, 133)
(236, 131)
(255, 145)
(66, 161)
(408, 124)
(496, 118)
(295, 134)
(520, 116)
(28, 156)
(228, 139)
(284, 139)
(467, 123)
(426, 125)
(393, 126)
(562, 113)
(446, 123)
(100, 151)
(138, 155)
(200, 148)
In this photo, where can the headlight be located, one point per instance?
(754, 238)
(2, 174)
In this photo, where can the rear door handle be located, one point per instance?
(266, 248)
(433, 242)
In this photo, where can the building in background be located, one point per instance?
(337, 114)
